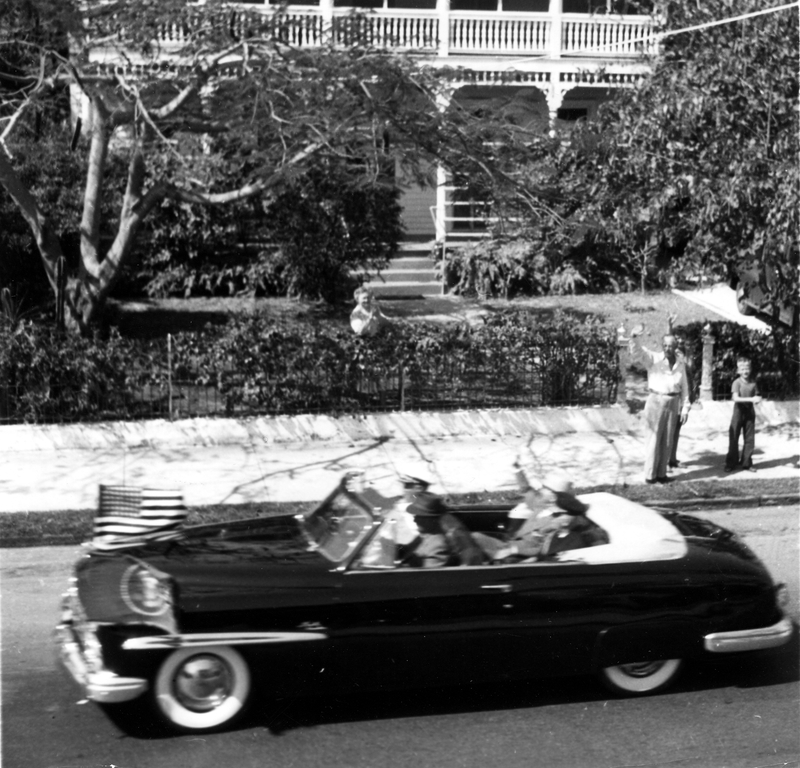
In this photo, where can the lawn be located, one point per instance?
(158, 317)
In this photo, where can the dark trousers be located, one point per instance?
(743, 422)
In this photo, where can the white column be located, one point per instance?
(442, 102)
(326, 14)
(556, 9)
(555, 98)
(443, 15)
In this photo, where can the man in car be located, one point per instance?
(443, 539)
(550, 519)
(418, 531)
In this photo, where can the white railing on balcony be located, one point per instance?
(603, 36)
(474, 32)
(404, 29)
(468, 32)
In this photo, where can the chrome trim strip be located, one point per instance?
(219, 638)
(750, 639)
(98, 685)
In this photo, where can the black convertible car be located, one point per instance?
(193, 625)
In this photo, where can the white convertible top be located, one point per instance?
(636, 533)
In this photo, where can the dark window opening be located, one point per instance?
(572, 114)
(526, 6)
(624, 7)
(473, 5)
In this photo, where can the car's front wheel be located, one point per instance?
(640, 677)
(201, 689)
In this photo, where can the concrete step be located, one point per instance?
(420, 246)
(412, 263)
(404, 289)
(407, 276)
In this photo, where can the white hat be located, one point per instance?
(561, 486)
(415, 473)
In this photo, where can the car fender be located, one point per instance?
(640, 642)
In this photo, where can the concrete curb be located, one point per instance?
(784, 499)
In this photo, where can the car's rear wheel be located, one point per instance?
(201, 689)
(641, 677)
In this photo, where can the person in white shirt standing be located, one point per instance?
(667, 403)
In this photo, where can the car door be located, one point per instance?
(556, 610)
(413, 626)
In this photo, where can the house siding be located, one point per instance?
(417, 218)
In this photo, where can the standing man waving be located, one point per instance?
(667, 402)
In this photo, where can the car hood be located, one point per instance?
(254, 565)
(250, 564)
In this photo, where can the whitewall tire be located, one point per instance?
(201, 689)
(641, 677)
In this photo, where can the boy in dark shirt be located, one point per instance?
(745, 394)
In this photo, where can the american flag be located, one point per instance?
(128, 516)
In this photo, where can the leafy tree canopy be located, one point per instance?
(210, 106)
(698, 165)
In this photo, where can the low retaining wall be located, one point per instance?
(707, 417)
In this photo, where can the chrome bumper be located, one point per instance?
(750, 639)
(98, 683)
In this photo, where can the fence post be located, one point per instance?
(169, 372)
(706, 377)
(402, 383)
(623, 361)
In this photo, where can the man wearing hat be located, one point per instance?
(550, 519)
(419, 531)
(443, 539)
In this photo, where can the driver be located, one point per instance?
(419, 531)
(399, 528)
(443, 539)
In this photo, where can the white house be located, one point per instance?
(548, 62)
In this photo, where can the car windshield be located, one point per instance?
(337, 526)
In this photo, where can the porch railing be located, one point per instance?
(468, 32)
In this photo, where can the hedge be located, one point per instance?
(255, 365)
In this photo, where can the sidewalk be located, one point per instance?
(216, 461)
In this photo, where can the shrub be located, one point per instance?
(258, 365)
(49, 377)
(494, 268)
(324, 226)
(775, 357)
(269, 366)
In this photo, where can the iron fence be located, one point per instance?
(258, 370)
(156, 391)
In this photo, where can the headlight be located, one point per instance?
(782, 595)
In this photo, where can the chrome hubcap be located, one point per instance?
(203, 682)
(642, 668)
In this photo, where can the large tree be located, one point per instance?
(230, 111)
(697, 168)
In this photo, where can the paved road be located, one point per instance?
(733, 713)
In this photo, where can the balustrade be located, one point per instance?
(506, 33)
(605, 37)
(399, 29)
(469, 32)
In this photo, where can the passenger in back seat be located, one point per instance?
(550, 519)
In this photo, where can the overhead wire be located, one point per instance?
(656, 36)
